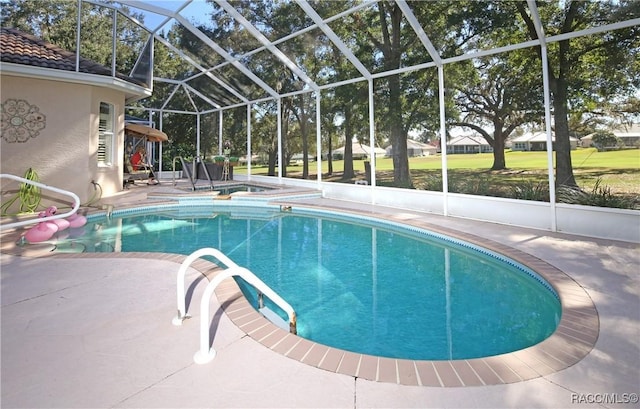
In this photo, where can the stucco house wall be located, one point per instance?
(50, 101)
(63, 153)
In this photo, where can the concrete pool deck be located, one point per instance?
(94, 330)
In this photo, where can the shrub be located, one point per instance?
(477, 185)
(605, 139)
(600, 196)
(430, 182)
(530, 190)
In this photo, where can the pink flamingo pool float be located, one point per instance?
(41, 231)
(61, 223)
(45, 230)
(76, 220)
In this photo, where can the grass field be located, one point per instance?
(618, 170)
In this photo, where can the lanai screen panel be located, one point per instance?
(374, 40)
(457, 28)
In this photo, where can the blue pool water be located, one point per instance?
(357, 285)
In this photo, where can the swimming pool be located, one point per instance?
(357, 284)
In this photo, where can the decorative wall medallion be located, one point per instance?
(21, 121)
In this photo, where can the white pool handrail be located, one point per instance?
(206, 354)
(76, 202)
(180, 293)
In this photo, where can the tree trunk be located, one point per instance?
(348, 145)
(401, 175)
(305, 147)
(564, 167)
(273, 156)
(302, 121)
(329, 159)
(499, 162)
(558, 87)
(393, 56)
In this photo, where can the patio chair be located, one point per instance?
(131, 174)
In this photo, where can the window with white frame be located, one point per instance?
(105, 135)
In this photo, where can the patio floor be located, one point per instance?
(94, 331)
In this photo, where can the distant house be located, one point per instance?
(536, 141)
(359, 151)
(468, 144)
(298, 159)
(628, 135)
(415, 148)
(64, 122)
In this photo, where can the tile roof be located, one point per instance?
(21, 48)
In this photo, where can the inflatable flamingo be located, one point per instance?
(42, 231)
(61, 223)
(76, 220)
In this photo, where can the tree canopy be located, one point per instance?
(241, 54)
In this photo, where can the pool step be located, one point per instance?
(274, 318)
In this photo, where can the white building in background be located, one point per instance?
(468, 144)
(629, 135)
(536, 141)
(359, 151)
(415, 148)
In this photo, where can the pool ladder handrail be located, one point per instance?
(206, 354)
(206, 171)
(185, 169)
(73, 196)
(191, 172)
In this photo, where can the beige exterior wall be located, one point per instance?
(63, 153)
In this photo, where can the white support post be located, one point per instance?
(547, 109)
(318, 140)
(249, 142)
(197, 135)
(372, 140)
(220, 132)
(547, 123)
(280, 153)
(443, 142)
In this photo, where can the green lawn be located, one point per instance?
(618, 170)
(580, 158)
